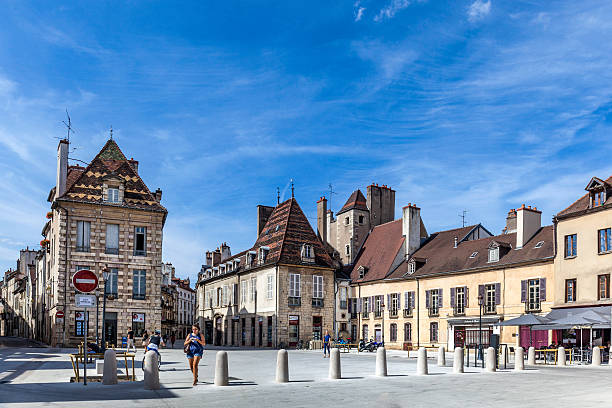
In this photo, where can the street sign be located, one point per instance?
(85, 300)
(85, 281)
(59, 314)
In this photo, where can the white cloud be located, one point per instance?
(391, 9)
(478, 10)
(391, 60)
(359, 13)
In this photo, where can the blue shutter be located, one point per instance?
(440, 302)
(427, 299)
(407, 300)
(466, 303)
(399, 301)
(452, 295)
(371, 303)
(412, 300)
(388, 301)
(542, 289)
(498, 293)
(523, 291)
(358, 305)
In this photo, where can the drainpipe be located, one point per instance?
(418, 314)
(276, 316)
(334, 326)
(65, 274)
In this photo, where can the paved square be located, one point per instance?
(38, 376)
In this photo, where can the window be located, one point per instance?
(570, 245)
(605, 240)
(494, 254)
(110, 286)
(394, 304)
(140, 285)
(474, 254)
(411, 267)
(225, 295)
(393, 330)
(361, 219)
(366, 307)
(433, 332)
(539, 244)
(570, 290)
(533, 303)
(263, 254)
(270, 287)
(365, 332)
(603, 287)
(112, 195)
(253, 289)
(362, 271)
(243, 290)
(83, 231)
(112, 239)
(347, 221)
(294, 285)
(250, 258)
(408, 303)
(343, 297)
(434, 301)
(598, 198)
(140, 241)
(460, 297)
(378, 306)
(317, 286)
(307, 253)
(218, 298)
(489, 296)
(407, 332)
(348, 250)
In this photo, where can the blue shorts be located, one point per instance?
(192, 355)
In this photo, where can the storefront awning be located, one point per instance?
(596, 317)
(468, 321)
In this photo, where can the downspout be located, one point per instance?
(65, 274)
(359, 314)
(276, 312)
(334, 326)
(418, 313)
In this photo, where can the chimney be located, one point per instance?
(225, 251)
(209, 258)
(528, 222)
(62, 168)
(216, 257)
(134, 164)
(380, 201)
(411, 228)
(263, 213)
(158, 195)
(456, 241)
(322, 219)
(510, 222)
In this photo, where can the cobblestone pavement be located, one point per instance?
(37, 376)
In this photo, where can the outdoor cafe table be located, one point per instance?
(75, 358)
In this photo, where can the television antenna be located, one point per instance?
(462, 216)
(68, 125)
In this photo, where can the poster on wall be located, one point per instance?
(79, 316)
(138, 317)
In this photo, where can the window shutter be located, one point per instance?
(350, 305)
(407, 300)
(498, 293)
(427, 299)
(542, 289)
(440, 302)
(388, 301)
(452, 295)
(481, 292)
(399, 301)
(412, 300)
(466, 303)
(523, 291)
(371, 303)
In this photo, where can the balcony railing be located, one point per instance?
(378, 314)
(112, 251)
(531, 307)
(490, 309)
(459, 311)
(317, 302)
(408, 312)
(433, 311)
(365, 315)
(83, 248)
(295, 301)
(393, 313)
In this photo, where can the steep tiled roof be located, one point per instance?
(378, 251)
(355, 202)
(440, 256)
(582, 204)
(85, 185)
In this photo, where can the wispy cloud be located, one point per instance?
(391, 9)
(478, 10)
(358, 11)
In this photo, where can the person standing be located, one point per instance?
(195, 342)
(326, 341)
(130, 340)
(172, 340)
(145, 337)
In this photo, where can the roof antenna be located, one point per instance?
(292, 188)
(111, 132)
(277, 195)
(68, 126)
(331, 193)
(462, 216)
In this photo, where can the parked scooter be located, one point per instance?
(367, 346)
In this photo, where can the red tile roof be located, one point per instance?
(355, 202)
(582, 204)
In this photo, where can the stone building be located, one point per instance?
(18, 291)
(413, 290)
(169, 296)
(185, 307)
(277, 293)
(104, 216)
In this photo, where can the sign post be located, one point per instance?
(85, 281)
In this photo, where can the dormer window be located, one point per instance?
(263, 254)
(228, 266)
(539, 244)
(362, 270)
(236, 263)
(221, 269)
(307, 253)
(411, 267)
(474, 254)
(215, 271)
(597, 189)
(250, 258)
(494, 254)
(598, 198)
(112, 195)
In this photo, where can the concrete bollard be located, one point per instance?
(100, 367)
(519, 360)
(151, 371)
(422, 362)
(381, 362)
(282, 366)
(531, 356)
(490, 360)
(334, 364)
(503, 357)
(441, 356)
(458, 361)
(109, 376)
(596, 359)
(221, 370)
(561, 356)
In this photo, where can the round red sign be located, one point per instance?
(85, 281)
(59, 314)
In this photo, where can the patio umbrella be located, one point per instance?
(528, 320)
(577, 320)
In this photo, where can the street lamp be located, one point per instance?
(480, 304)
(106, 275)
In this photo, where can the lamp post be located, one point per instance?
(97, 316)
(106, 275)
(480, 302)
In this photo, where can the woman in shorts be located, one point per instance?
(195, 342)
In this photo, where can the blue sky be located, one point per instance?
(475, 105)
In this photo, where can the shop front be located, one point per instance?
(468, 332)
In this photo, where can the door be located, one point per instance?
(260, 332)
(294, 330)
(208, 331)
(218, 331)
(377, 334)
(459, 336)
(317, 325)
(110, 328)
(269, 331)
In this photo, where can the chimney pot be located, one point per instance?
(455, 242)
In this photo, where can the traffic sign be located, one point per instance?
(85, 281)
(59, 314)
(85, 300)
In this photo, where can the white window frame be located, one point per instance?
(244, 287)
(112, 194)
(494, 254)
(295, 285)
(83, 235)
(317, 287)
(270, 287)
(140, 283)
(253, 289)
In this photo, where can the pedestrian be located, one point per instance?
(172, 340)
(145, 337)
(326, 341)
(194, 347)
(130, 340)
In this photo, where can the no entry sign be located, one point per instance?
(59, 314)
(85, 281)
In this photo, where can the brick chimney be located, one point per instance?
(225, 251)
(510, 222)
(216, 257)
(134, 164)
(209, 258)
(528, 222)
(411, 228)
(322, 219)
(62, 168)
(158, 195)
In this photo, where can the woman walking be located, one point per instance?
(194, 345)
